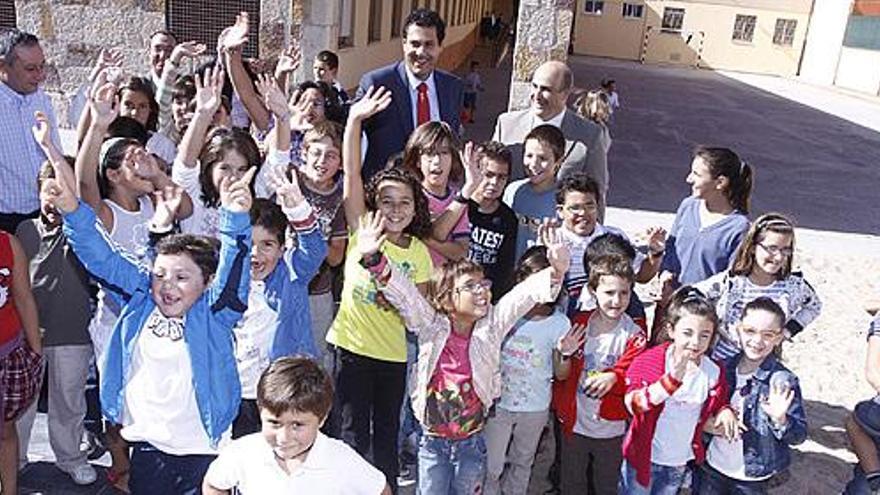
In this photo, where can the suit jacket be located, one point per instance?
(584, 149)
(388, 130)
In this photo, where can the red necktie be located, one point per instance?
(423, 106)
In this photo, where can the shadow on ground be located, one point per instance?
(822, 169)
(45, 479)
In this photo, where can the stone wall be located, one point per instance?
(73, 32)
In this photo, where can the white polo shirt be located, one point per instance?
(331, 468)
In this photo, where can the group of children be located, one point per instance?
(226, 366)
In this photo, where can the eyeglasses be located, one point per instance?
(582, 209)
(475, 287)
(776, 250)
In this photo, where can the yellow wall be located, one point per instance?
(609, 34)
(709, 22)
(364, 57)
(715, 24)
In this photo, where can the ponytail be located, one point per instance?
(724, 162)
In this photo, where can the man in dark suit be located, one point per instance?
(419, 92)
(551, 84)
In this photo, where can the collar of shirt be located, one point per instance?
(434, 103)
(555, 121)
(13, 96)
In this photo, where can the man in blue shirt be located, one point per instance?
(22, 70)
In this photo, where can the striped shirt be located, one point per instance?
(20, 156)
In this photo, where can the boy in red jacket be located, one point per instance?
(588, 394)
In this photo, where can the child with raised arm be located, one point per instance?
(367, 335)
(530, 354)
(460, 334)
(277, 321)
(767, 399)
(170, 378)
(317, 177)
(290, 454)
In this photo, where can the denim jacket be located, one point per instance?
(209, 322)
(766, 447)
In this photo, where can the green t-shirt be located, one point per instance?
(361, 326)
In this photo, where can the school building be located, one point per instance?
(765, 36)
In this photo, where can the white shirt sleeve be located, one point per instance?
(223, 472)
(361, 478)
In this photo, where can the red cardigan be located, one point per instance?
(611, 406)
(646, 369)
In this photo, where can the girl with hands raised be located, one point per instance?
(206, 158)
(673, 390)
(369, 340)
(767, 400)
(460, 334)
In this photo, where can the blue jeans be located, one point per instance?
(454, 467)
(154, 471)
(711, 482)
(665, 480)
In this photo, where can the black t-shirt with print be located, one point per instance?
(493, 245)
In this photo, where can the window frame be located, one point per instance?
(374, 22)
(672, 13)
(598, 7)
(743, 29)
(782, 35)
(640, 7)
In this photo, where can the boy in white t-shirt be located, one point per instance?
(290, 455)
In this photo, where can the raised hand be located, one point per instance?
(572, 340)
(235, 36)
(373, 102)
(289, 60)
(145, 165)
(209, 89)
(188, 49)
(168, 201)
(473, 175)
(776, 404)
(656, 238)
(299, 113)
(557, 252)
(273, 97)
(104, 105)
(235, 194)
(109, 57)
(42, 132)
(371, 233)
(287, 191)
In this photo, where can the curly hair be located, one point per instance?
(420, 226)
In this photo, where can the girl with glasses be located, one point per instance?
(762, 268)
(460, 335)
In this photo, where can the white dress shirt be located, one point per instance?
(414, 96)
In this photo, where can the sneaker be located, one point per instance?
(83, 474)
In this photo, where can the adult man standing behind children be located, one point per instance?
(551, 84)
(420, 92)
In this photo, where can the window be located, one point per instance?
(784, 33)
(346, 24)
(744, 28)
(447, 10)
(374, 31)
(7, 14)
(396, 21)
(631, 10)
(203, 21)
(594, 7)
(673, 20)
(863, 32)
